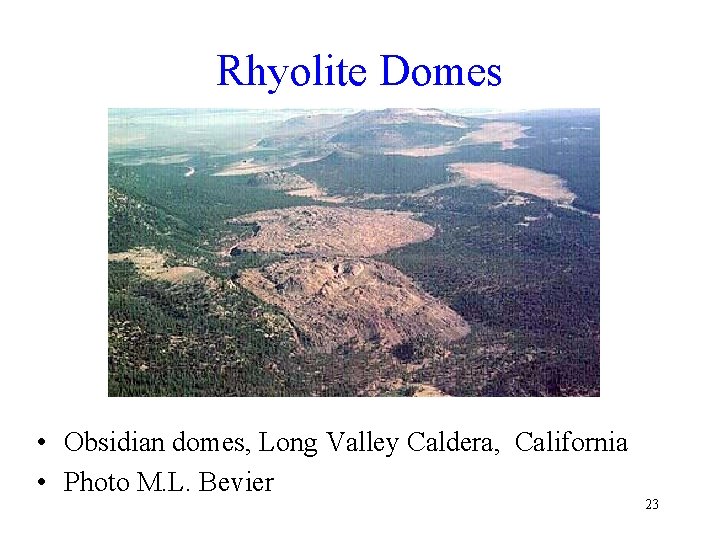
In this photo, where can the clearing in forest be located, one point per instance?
(510, 177)
(151, 264)
(505, 133)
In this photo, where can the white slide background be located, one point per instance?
(64, 64)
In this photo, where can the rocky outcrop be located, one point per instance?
(326, 231)
(342, 301)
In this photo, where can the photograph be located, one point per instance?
(414, 252)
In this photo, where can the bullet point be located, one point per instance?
(41, 441)
(41, 481)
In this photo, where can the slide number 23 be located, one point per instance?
(652, 504)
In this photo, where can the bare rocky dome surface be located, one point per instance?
(325, 231)
(331, 291)
(336, 301)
